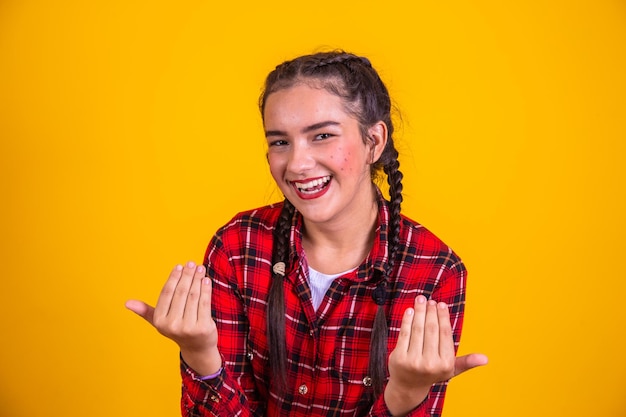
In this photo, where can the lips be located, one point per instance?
(312, 188)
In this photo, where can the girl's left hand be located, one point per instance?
(423, 356)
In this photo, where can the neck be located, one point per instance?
(343, 244)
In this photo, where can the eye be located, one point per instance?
(322, 136)
(278, 142)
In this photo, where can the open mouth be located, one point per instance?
(312, 187)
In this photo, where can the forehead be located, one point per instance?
(303, 104)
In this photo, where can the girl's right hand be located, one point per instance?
(183, 314)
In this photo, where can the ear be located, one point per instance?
(377, 140)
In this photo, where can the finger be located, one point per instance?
(193, 298)
(204, 304)
(404, 338)
(467, 362)
(416, 344)
(446, 342)
(179, 298)
(141, 309)
(167, 293)
(431, 330)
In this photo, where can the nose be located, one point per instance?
(301, 159)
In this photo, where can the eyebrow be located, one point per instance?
(320, 125)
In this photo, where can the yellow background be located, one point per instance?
(129, 133)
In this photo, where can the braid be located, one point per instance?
(394, 179)
(378, 340)
(380, 330)
(276, 299)
(342, 58)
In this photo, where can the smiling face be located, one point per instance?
(317, 154)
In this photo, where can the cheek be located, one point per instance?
(342, 160)
(276, 167)
(350, 161)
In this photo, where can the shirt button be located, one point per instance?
(215, 398)
(250, 356)
(311, 332)
(367, 381)
(303, 389)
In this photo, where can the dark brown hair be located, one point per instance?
(366, 97)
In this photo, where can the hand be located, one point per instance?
(424, 355)
(183, 314)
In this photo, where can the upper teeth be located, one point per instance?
(313, 183)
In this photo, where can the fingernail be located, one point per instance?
(432, 302)
(190, 264)
(178, 267)
(200, 268)
(206, 281)
(442, 305)
(421, 299)
(409, 312)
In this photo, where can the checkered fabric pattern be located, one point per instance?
(328, 350)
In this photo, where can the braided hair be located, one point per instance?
(365, 97)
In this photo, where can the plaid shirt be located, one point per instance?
(327, 350)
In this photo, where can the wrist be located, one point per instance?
(203, 363)
(401, 400)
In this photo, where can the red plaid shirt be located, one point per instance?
(327, 350)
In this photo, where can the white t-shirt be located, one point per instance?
(319, 284)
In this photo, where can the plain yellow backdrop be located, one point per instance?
(129, 132)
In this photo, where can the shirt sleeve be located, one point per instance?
(451, 290)
(233, 392)
(211, 398)
(379, 409)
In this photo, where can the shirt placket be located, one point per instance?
(306, 381)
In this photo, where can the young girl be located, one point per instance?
(330, 303)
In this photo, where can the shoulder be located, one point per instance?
(262, 217)
(260, 220)
(415, 233)
(423, 245)
(248, 232)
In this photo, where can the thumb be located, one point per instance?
(467, 362)
(141, 309)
